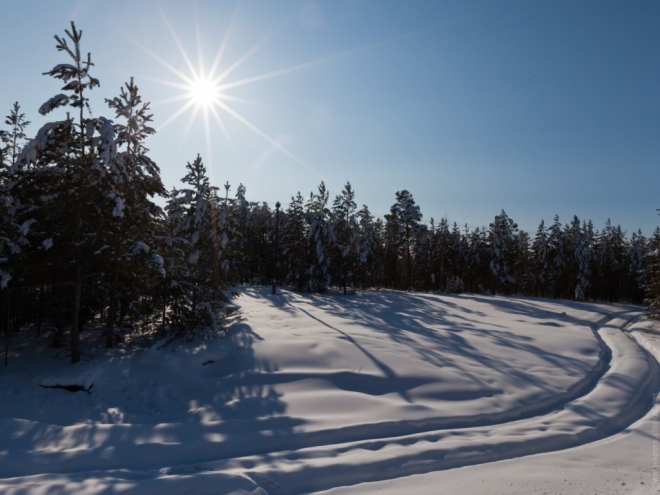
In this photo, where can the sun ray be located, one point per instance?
(224, 130)
(186, 131)
(206, 91)
(175, 115)
(180, 97)
(294, 68)
(265, 136)
(182, 51)
(198, 37)
(158, 59)
(238, 100)
(245, 56)
(209, 155)
(223, 44)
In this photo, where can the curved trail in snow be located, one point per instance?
(617, 394)
(623, 395)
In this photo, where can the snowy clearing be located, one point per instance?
(328, 392)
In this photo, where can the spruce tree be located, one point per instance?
(71, 157)
(652, 255)
(502, 239)
(406, 216)
(368, 248)
(294, 243)
(346, 236)
(193, 253)
(133, 222)
(321, 239)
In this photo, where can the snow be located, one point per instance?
(376, 392)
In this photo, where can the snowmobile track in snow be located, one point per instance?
(617, 393)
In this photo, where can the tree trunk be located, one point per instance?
(75, 335)
(112, 311)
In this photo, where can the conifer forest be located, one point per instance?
(92, 240)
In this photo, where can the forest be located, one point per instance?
(92, 240)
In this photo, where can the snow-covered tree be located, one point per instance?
(346, 236)
(652, 255)
(57, 177)
(502, 238)
(14, 139)
(556, 257)
(293, 242)
(368, 248)
(321, 238)
(195, 245)
(406, 215)
(133, 220)
(579, 249)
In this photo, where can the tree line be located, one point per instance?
(84, 243)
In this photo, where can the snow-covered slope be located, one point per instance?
(311, 392)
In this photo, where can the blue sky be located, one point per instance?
(537, 108)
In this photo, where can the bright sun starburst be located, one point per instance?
(204, 92)
(204, 89)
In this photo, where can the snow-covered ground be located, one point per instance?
(376, 392)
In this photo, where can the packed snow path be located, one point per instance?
(312, 392)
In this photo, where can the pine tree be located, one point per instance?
(443, 242)
(194, 251)
(523, 268)
(502, 238)
(556, 258)
(294, 244)
(321, 238)
(367, 248)
(652, 255)
(579, 251)
(12, 140)
(406, 215)
(133, 221)
(63, 196)
(426, 254)
(15, 138)
(636, 269)
(243, 216)
(346, 236)
(540, 249)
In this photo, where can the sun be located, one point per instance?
(204, 92)
(204, 89)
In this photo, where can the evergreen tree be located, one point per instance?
(406, 215)
(63, 196)
(636, 277)
(321, 238)
(294, 244)
(15, 138)
(556, 259)
(652, 255)
(502, 241)
(442, 242)
(133, 226)
(194, 254)
(578, 266)
(540, 256)
(368, 248)
(346, 236)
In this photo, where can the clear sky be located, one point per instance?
(537, 108)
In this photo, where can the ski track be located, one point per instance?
(613, 396)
